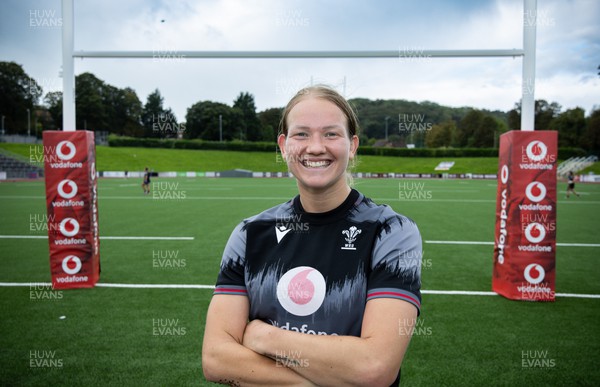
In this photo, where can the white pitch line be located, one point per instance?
(459, 243)
(492, 243)
(155, 286)
(142, 238)
(158, 238)
(578, 244)
(459, 292)
(148, 238)
(210, 287)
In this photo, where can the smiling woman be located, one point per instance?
(318, 140)
(325, 280)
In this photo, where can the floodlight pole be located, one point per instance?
(68, 65)
(528, 82)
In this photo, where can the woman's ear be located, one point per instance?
(281, 142)
(354, 142)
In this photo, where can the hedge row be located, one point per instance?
(116, 141)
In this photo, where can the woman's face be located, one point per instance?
(317, 147)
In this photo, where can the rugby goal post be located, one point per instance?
(524, 248)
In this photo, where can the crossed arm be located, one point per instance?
(240, 353)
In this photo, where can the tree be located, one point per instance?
(53, 102)
(570, 126)
(441, 135)
(99, 107)
(544, 114)
(152, 110)
(18, 93)
(269, 120)
(484, 134)
(202, 121)
(158, 121)
(591, 138)
(468, 127)
(250, 123)
(90, 106)
(128, 109)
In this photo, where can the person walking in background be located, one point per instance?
(571, 184)
(146, 182)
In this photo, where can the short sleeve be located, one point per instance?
(396, 262)
(231, 278)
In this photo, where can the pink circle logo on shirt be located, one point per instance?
(301, 290)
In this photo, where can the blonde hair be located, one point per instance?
(327, 93)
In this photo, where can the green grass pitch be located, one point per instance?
(133, 336)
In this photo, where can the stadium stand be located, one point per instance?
(17, 168)
(575, 164)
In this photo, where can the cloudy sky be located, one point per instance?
(568, 48)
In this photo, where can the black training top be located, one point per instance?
(315, 272)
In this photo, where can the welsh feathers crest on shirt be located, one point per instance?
(351, 235)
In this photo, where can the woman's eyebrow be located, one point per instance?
(305, 127)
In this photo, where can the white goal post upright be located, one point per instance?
(68, 66)
(528, 54)
(528, 81)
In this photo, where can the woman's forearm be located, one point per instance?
(325, 360)
(235, 365)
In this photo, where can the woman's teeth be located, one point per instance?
(316, 164)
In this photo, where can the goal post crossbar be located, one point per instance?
(409, 52)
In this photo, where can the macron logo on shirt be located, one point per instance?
(281, 231)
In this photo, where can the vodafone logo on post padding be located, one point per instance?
(535, 232)
(71, 264)
(535, 156)
(65, 150)
(535, 191)
(69, 227)
(504, 174)
(536, 151)
(67, 189)
(502, 234)
(301, 290)
(534, 273)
